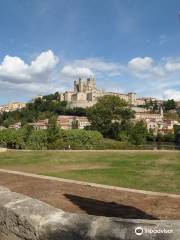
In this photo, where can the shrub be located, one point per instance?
(37, 140)
(78, 139)
(114, 145)
(12, 138)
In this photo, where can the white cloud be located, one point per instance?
(45, 62)
(173, 65)
(99, 65)
(158, 71)
(22, 80)
(141, 64)
(172, 94)
(146, 68)
(43, 75)
(76, 72)
(15, 70)
(128, 76)
(95, 65)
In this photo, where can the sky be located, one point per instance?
(129, 45)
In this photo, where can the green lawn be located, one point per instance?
(156, 171)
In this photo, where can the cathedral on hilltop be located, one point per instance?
(85, 94)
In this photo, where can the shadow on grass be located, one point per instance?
(108, 209)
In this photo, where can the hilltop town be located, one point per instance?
(86, 94)
(12, 106)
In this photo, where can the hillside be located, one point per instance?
(40, 108)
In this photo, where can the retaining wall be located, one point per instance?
(24, 218)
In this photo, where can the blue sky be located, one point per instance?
(130, 45)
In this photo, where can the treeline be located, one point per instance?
(57, 139)
(111, 126)
(168, 106)
(112, 117)
(41, 108)
(52, 138)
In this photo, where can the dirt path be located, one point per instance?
(78, 198)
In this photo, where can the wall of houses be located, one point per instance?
(12, 106)
(63, 121)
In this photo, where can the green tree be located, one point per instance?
(155, 106)
(26, 131)
(12, 138)
(159, 137)
(177, 133)
(124, 133)
(169, 137)
(169, 105)
(108, 113)
(78, 139)
(37, 140)
(151, 136)
(52, 132)
(75, 124)
(138, 133)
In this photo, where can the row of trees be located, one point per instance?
(52, 138)
(55, 138)
(112, 117)
(168, 105)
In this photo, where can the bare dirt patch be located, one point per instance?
(92, 200)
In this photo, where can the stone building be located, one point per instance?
(155, 121)
(145, 115)
(85, 94)
(66, 122)
(40, 125)
(63, 121)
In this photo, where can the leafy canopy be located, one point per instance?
(108, 110)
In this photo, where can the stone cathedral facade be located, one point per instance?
(85, 94)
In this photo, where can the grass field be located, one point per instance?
(156, 171)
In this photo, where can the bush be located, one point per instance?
(78, 139)
(12, 138)
(113, 145)
(169, 137)
(65, 139)
(37, 140)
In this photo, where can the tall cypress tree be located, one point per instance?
(52, 132)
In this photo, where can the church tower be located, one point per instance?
(91, 84)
